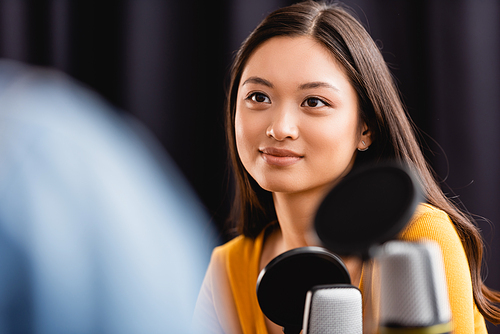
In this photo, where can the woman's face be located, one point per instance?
(297, 125)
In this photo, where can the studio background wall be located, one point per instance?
(166, 62)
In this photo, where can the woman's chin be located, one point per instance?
(280, 187)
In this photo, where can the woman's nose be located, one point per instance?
(283, 125)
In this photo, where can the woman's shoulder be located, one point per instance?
(239, 249)
(426, 210)
(431, 223)
(231, 245)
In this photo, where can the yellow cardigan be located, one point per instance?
(228, 302)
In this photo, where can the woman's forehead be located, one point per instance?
(295, 61)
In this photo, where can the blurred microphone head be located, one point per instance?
(333, 309)
(368, 207)
(413, 291)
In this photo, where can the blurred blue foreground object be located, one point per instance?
(99, 233)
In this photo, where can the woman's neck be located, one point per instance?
(295, 214)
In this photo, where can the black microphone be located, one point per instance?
(370, 206)
(283, 284)
(413, 291)
(333, 309)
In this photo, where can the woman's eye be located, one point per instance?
(259, 98)
(314, 102)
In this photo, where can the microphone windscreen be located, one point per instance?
(413, 291)
(283, 284)
(333, 309)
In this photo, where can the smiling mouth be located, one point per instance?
(280, 157)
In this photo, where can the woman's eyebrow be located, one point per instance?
(317, 84)
(259, 81)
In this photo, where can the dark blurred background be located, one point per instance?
(166, 62)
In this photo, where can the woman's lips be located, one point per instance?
(279, 157)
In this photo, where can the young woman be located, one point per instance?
(310, 99)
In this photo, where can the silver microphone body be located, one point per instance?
(413, 290)
(333, 309)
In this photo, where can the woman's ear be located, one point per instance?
(365, 139)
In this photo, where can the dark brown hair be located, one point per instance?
(380, 107)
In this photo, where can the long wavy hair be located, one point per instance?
(380, 107)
